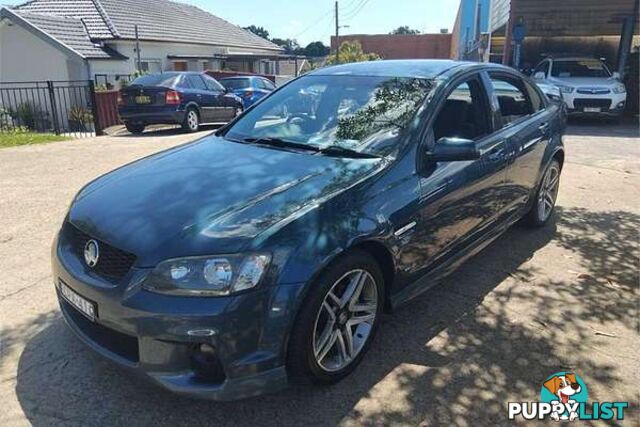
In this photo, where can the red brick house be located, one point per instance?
(391, 46)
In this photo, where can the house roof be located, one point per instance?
(157, 20)
(68, 33)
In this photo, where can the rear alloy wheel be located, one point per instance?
(545, 201)
(191, 121)
(134, 128)
(338, 320)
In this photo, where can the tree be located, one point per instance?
(258, 31)
(352, 52)
(404, 30)
(316, 49)
(290, 46)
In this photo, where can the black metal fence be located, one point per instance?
(60, 107)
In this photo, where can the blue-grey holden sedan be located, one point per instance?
(267, 252)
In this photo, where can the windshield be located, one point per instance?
(581, 68)
(155, 80)
(361, 113)
(233, 84)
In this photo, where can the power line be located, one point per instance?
(348, 8)
(316, 22)
(357, 11)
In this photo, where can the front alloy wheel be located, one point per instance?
(337, 321)
(345, 320)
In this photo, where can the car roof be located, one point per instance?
(241, 77)
(574, 58)
(416, 68)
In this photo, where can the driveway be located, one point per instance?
(533, 303)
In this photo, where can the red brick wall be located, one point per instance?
(421, 46)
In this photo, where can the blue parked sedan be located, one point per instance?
(249, 88)
(267, 253)
(188, 99)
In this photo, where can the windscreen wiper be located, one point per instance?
(280, 143)
(336, 150)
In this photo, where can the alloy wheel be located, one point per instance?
(548, 192)
(345, 320)
(192, 120)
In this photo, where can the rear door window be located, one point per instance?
(513, 98)
(266, 84)
(196, 82)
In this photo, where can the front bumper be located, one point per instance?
(612, 104)
(159, 335)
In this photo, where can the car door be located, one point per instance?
(202, 97)
(460, 201)
(265, 87)
(224, 105)
(524, 123)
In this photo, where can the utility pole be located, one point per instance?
(337, 35)
(138, 62)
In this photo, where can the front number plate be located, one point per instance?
(85, 306)
(592, 109)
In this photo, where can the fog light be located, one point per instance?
(620, 105)
(206, 364)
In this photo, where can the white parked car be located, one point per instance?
(586, 85)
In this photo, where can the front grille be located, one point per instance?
(593, 90)
(113, 263)
(116, 342)
(580, 103)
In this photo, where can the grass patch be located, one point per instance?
(14, 139)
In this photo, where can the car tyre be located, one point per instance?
(191, 120)
(135, 129)
(544, 203)
(346, 298)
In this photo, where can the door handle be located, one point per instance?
(544, 127)
(496, 154)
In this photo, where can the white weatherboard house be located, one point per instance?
(96, 40)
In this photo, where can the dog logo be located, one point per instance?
(565, 388)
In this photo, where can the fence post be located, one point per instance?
(54, 109)
(94, 108)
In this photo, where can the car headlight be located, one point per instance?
(566, 89)
(619, 88)
(208, 275)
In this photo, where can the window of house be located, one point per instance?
(513, 98)
(464, 113)
(151, 66)
(180, 65)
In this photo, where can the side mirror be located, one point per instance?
(451, 149)
(616, 75)
(539, 75)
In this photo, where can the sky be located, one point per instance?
(311, 20)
